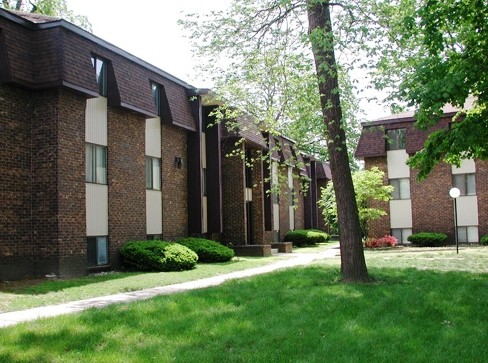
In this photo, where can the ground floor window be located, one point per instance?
(154, 237)
(97, 251)
(467, 234)
(401, 234)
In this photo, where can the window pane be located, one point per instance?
(462, 234)
(397, 233)
(395, 194)
(404, 188)
(156, 173)
(101, 162)
(204, 182)
(470, 184)
(89, 164)
(459, 182)
(102, 251)
(395, 139)
(148, 173)
(472, 233)
(91, 251)
(406, 232)
(155, 94)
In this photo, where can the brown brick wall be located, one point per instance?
(71, 184)
(299, 201)
(15, 183)
(381, 226)
(432, 208)
(234, 221)
(482, 192)
(126, 180)
(175, 186)
(257, 198)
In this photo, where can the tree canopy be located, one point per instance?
(48, 7)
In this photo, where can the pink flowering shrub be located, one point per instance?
(385, 241)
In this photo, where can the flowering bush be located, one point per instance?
(385, 241)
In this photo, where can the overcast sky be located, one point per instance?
(151, 33)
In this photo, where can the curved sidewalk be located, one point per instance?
(16, 317)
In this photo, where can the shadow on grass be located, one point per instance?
(296, 315)
(45, 286)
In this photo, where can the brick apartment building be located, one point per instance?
(424, 206)
(98, 147)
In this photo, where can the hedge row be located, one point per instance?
(306, 237)
(207, 250)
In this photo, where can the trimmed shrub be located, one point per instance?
(157, 256)
(306, 237)
(428, 239)
(385, 241)
(207, 250)
(484, 240)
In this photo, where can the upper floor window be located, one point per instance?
(466, 183)
(153, 173)
(248, 169)
(96, 164)
(156, 94)
(100, 66)
(401, 188)
(396, 139)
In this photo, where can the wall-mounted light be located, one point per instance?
(178, 162)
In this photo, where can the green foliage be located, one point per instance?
(157, 256)
(484, 240)
(306, 237)
(207, 250)
(257, 55)
(49, 7)
(428, 239)
(369, 187)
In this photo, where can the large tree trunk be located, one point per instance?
(353, 265)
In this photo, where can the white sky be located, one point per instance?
(150, 32)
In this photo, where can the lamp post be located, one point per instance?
(455, 193)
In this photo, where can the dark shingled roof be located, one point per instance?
(245, 127)
(35, 17)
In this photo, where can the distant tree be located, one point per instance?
(48, 7)
(252, 36)
(369, 188)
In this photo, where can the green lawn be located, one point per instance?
(409, 314)
(18, 296)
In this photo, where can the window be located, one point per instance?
(291, 197)
(153, 173)
(466, 183)
(96, 164)
(97, 251)
(395, 139)
(204, 182)
(156, 94)
(248, 170)
(401, 234)
(401, 188)
(467, 234)
(100, 66)
(154, 237)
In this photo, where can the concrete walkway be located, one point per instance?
(296, 259)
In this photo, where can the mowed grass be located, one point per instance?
(27, 294)
(407, 314)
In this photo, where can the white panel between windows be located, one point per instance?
(397, 164)
(467, 166)
(248, 194)
(276, 217)
(290, 177)
(154, 214)
(205, 215)
(292, 217)
(204, 150)
(401, 213)
(96, 121)
(467, 210)
(96, 209)
(153, 137)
